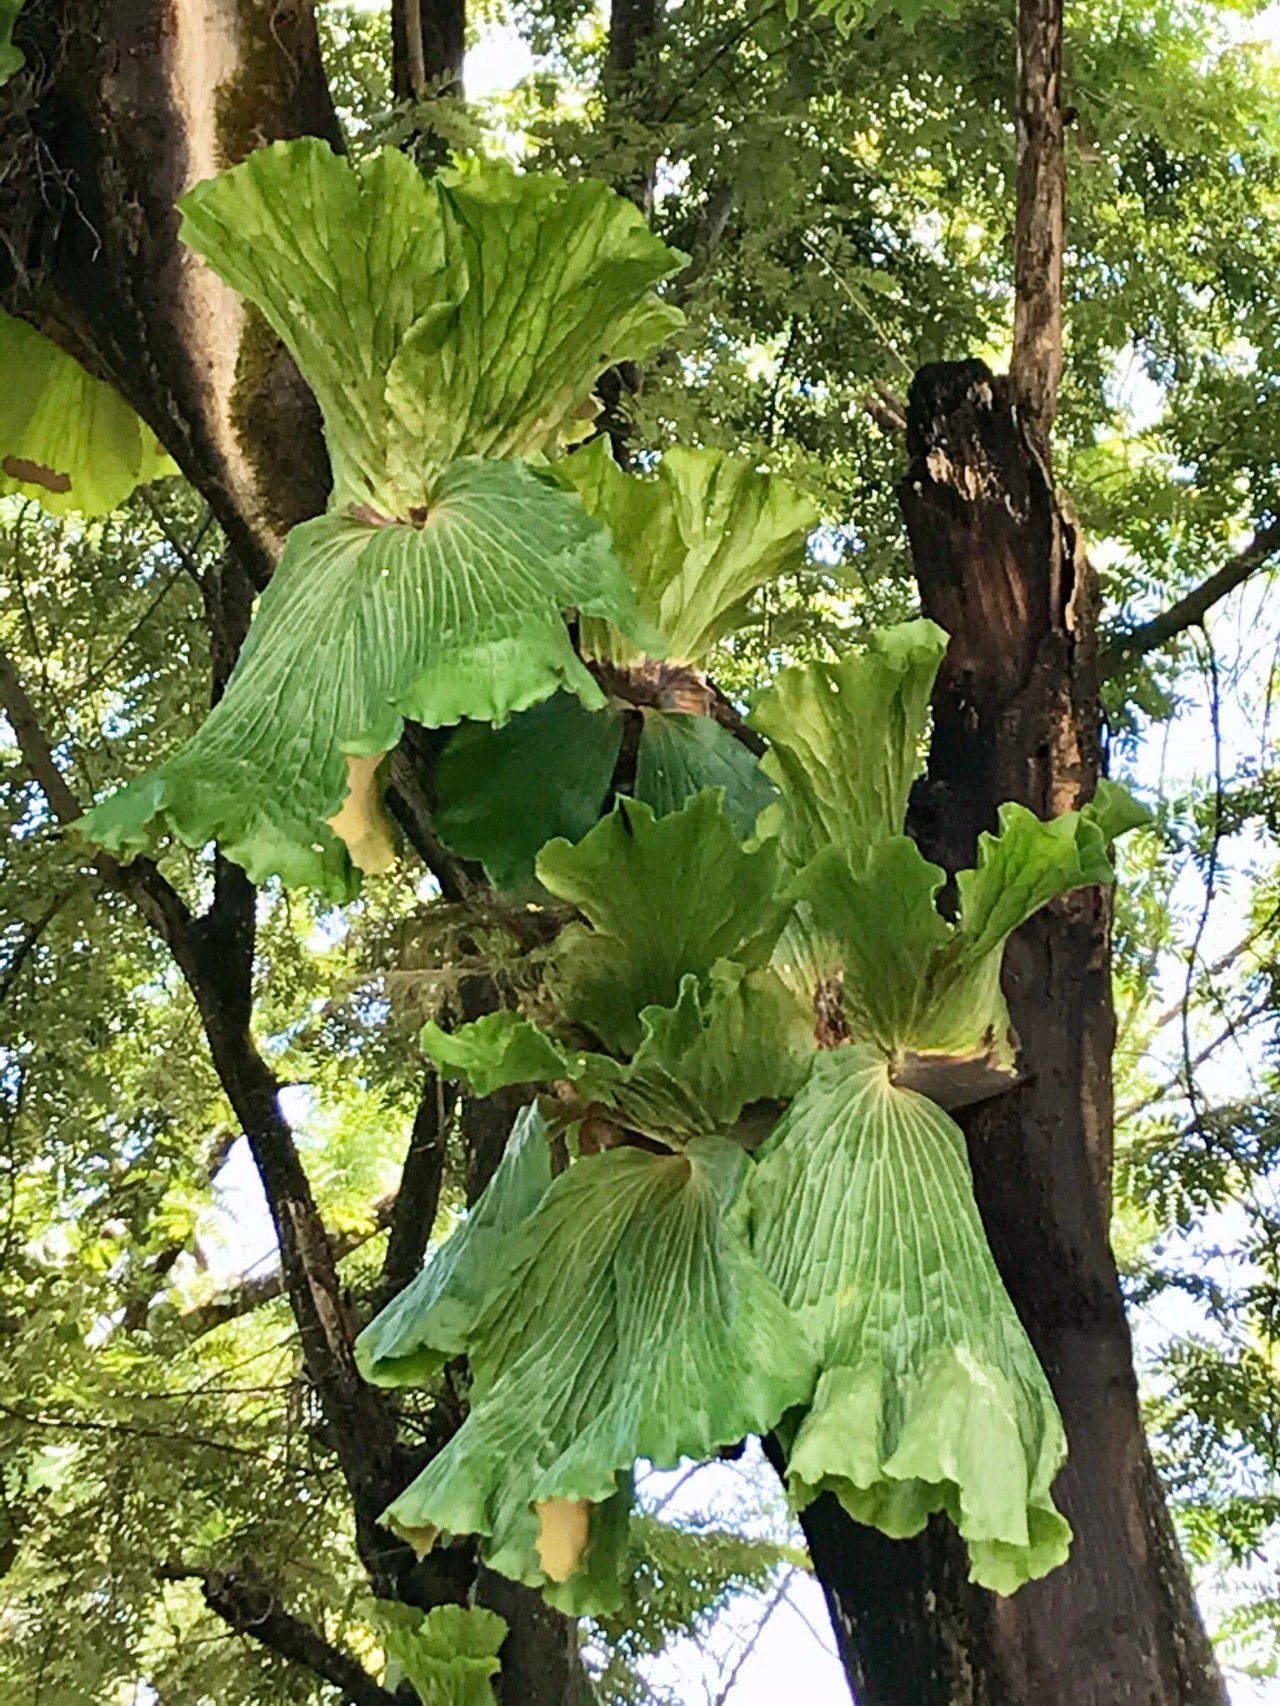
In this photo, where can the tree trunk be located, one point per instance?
(541, 1665)
(428, 42)
(1016, 717)
(125, 104)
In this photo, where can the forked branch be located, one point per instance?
(214, 954)
(248, 1606)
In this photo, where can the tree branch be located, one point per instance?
(257, 1289)
(702, 241)
(1179, 1079)
(1190, 610)
(215, 955)
(29, 941)
(248, 1606)
(162, 1263)
(1040, 220)
(411, 801)
(33, 745)
(418, 1198)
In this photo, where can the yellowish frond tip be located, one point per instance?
(421, 1539)
(362, 822)
(564, 1526)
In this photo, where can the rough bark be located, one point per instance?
(633, 29)
(540, 1661)
(125, 105)
(1016, 717)
(1040, 219)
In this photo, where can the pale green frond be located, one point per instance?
(731, 1040)
(701, 1063)
(361, 627)
(468, 314)
(930, 1396)
(431, 1320)
(632, 1323)
(664, 897)
(846, 742)
(449, 1654)
(343, 260)
(697, 538)
(927, 992)
(561, 279)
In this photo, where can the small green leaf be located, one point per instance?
(448, 1654)
(505, 792)
(680, 755)
(1115, 811)
(11, 58)
(665, 897)
(497, 1050)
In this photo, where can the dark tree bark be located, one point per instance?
(428, 42)
(418, 1197)
(540, 1661)
(633, 30)
(125, 105)
(1016, 717)
(1040, 219)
